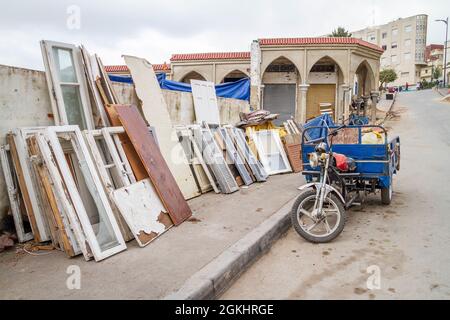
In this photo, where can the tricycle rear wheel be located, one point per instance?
(386, 195)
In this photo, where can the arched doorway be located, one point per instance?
(364, 80)
(233, 76)
(324, 79)
(280, 81)
(193, 75)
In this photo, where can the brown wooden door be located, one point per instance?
(319, 93)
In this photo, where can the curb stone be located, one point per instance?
(219, 274)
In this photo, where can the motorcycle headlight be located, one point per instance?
(321, 147)
(313, 159)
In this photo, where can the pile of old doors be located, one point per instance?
(107, 173)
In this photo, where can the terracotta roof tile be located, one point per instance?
(210, 56)
(124, 68)
(317, 40)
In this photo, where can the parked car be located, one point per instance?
(392, 89)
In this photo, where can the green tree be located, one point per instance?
(437, 73)
(340, 32)
(387, 76)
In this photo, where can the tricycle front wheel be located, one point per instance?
(316, 230)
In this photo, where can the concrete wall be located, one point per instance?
(24, 102)
(181, 105)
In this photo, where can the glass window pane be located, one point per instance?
(72, 104)
(64, 65)
(276, 162)
(95, 209)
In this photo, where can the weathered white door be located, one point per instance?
(205, 102)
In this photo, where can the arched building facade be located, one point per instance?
(294, 77)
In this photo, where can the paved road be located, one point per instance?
(409, 241)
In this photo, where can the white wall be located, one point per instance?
(181, 105)
(279, 78)
(322, 78)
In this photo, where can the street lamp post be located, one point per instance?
(445, 48)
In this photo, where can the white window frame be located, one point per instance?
(242, 145)
(59, 200)
(54, 85)
(84, 230)
(13, 195)
(110, 182)
(235, 156)
(20, 135)
(61, 195)
(197, 159)
(257, 137)
(134, 217)
(213, 156)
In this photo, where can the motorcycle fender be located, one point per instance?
(328, 188)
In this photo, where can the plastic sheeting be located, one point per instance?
(239, 89)
(324, 121)
(128, 79)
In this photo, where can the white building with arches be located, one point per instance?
(294, 77)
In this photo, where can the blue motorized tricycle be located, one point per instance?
(340, 175)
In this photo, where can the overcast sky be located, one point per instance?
(156, 29)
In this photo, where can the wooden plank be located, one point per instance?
(113, 98)
(143, 211)
(153, 161)
(23, 188)
(61, 226)
(92, 72)
(62, 193)
(157, 115)
(133, 158)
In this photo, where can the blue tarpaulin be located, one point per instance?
(237, 90)
(128, 79)
(324, 121)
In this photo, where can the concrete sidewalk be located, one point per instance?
(161, 268)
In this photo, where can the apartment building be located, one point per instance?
(404, 44)
(434, 57)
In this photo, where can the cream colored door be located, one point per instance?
(317, 94)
